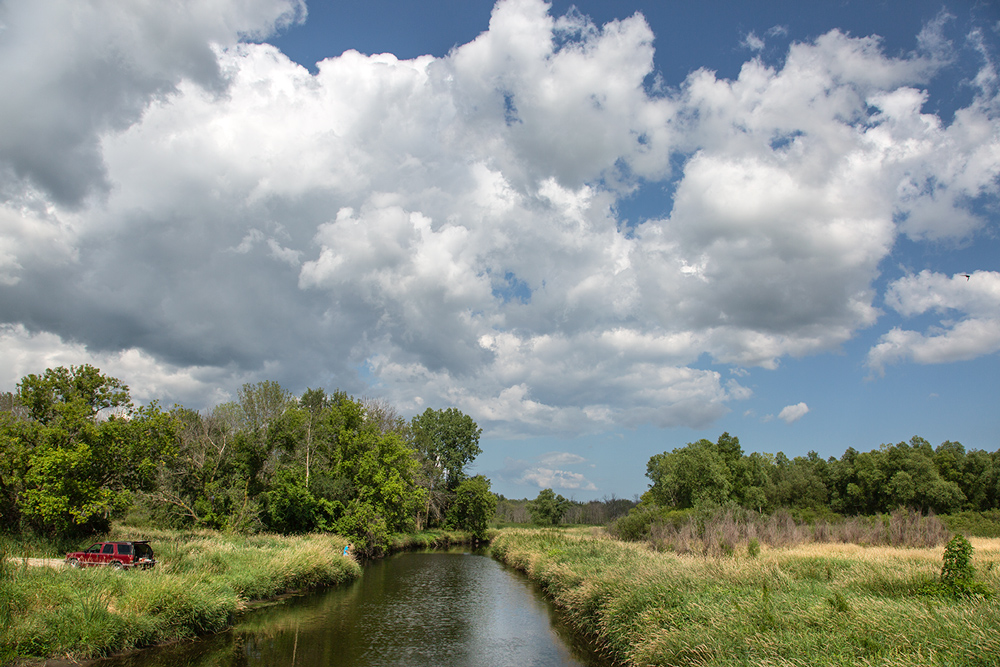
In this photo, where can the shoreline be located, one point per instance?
(239, 573)
(817, 604)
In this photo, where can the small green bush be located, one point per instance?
(957, 574)
(957, 569)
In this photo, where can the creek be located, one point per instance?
(453, 608)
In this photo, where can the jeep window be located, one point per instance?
(108, 549)
(94, 549)
(143, 551)
(124, 549)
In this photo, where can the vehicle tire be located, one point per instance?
(117, 565)
(74, 563)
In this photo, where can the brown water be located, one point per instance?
(438, 609)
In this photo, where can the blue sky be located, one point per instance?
(602, 229)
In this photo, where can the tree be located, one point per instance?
(547, 509)
(449, 439)
(446, 442)
(72, 395)
(374, 473)
(81, 450)
(691, 475)
(474, 506)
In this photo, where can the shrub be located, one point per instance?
(957, 574)
(975, 524)
(957, 569)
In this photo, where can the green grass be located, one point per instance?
(818, 604)
(432, 539)
(202, 580)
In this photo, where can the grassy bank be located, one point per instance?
(434, 539)
(812, 604)
(201, 581)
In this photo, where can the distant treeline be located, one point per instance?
(549, 509)
(942, 479)
(75, 452)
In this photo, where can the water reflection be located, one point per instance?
(436, 608)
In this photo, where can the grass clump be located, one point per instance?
(807, 604)
(202, 580)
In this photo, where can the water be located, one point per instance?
(439, 609)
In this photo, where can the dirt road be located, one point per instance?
(39, 562)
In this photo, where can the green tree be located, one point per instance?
(691, 475)
(446, 441)
(375, 473)
(81, 451)
(474, 506)
(548, 509)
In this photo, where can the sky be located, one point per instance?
(601, 229)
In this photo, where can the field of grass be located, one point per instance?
(811, 604)
(201, 581)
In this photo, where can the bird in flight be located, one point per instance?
(967, 276)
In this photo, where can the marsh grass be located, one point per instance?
(201, 581)
(722, 532)
(809, 604)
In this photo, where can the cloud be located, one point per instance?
(968, 311)
(561, 458)
(445, 231)
(75, 69)
(792, 413)
(548, 472)
(753, 42)
(23, 353)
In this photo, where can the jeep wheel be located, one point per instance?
(117, 565)
(74, 563)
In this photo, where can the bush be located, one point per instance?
(957, 570)
(637, 524)
(975, 524)
(366, 528)
(957, 574)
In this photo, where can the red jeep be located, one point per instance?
(119, 555)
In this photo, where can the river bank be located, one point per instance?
(819, 604)
(202, 581)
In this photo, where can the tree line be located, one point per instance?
(943, 479)
(550, 509)
(75, 451)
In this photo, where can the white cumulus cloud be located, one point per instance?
(792, 413)
(968, 309)
(446, 231)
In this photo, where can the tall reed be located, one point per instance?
(724, 531)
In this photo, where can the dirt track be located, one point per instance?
(39, 562)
